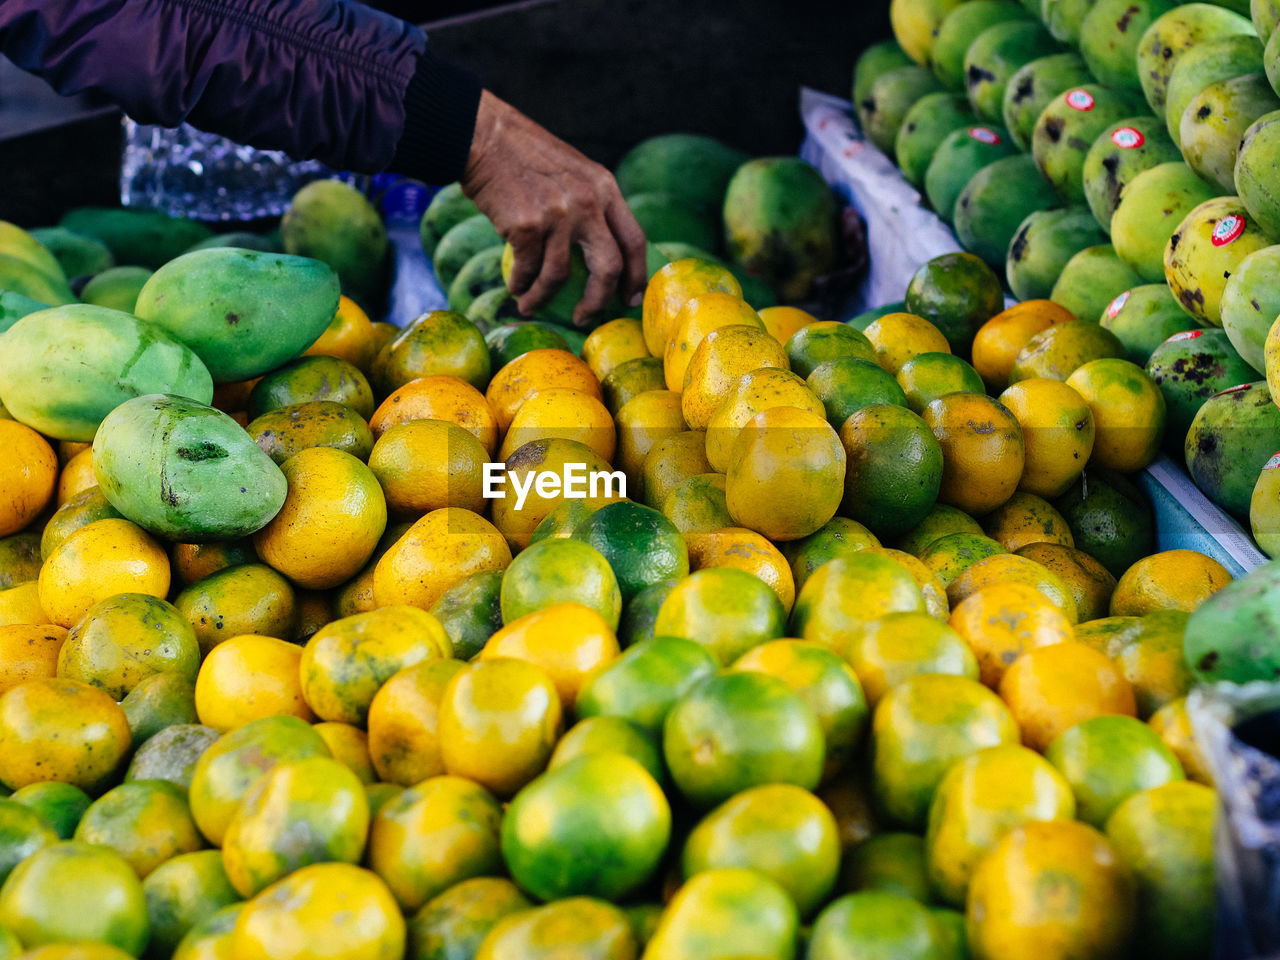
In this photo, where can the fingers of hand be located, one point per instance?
(553, 273)
(632, 242)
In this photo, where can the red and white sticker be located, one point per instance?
(1227, 229)
(1272, 463)
(1240, 389)
(1080, 99)
(1128, 138)
(1185, 335)
(1116, 305)
(985, 135)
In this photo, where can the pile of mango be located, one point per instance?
(875, 657)
(1116, 157)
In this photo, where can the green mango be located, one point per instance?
(143, 238)
(1202, 65)
(927, 124)
(1255, 177)
(332, 221)
(264, 242)
(1250, 304)
(780, 223)
(1207, 248)
(16, 242)
(62, 370)
(481, 273)
(1232, 437)
(958, 158)
(1152, 205)
(1069, 125)
(994, 204)
(14, 306)
(1143, 318)
(1110, 35)
(243, 312)
(185, 471)
(1189, 368)
(460, 244)
(1120, 153)
(1174, 33)
(693, 168)
(1045, 241)
(117, 288)
(1265, 15)
(1215, 122)
(995, 56)
(1034, 87)
(1090, 280)
(448, 208)
(1231, 636)
(20, 277)
(667, 217)
(1064, 18)
(77, 255)
(877, 59)
(882, 111)
(960, 28)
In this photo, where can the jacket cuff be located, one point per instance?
(440, 107)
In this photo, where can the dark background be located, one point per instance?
(600, 74)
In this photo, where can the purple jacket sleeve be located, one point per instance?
(331, 80)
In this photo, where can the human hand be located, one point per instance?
(543, 196)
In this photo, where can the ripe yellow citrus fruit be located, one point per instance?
(1057, 430)
(898, 337)
(982, 450)
(1051, 689)
(1002, 621)
(673, 286)
(27, 478)
(1169, 580)
(1128, 412)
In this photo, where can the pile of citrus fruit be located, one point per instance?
(1118, 157)
(875, 657)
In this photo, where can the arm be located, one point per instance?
(356, 89)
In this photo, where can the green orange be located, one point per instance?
(893, 468)
(641, 546)
(941, 520)
(146, 822)
(75, 891)
(1108, 759)
(849, 384)
(953, 553)
(183, 892)
(891, 649)
(22, 832)
(927, 376)
(779, 830)
(1165, 836)
(646, 681)
(726, 913)
(433, 835)
(817, 343)
(826, 683)
(874, 924)
(838, 537)
(727, 610)
(560, 571)
(610, 735)
(302, 812)
(847, 592)
(456, 922)
(596, 826)
(60, 804)
(921, 728)
(577, 926)
(739, 730)
(982, 798)
(231, 766)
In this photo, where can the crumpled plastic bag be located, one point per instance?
(1238, 731)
